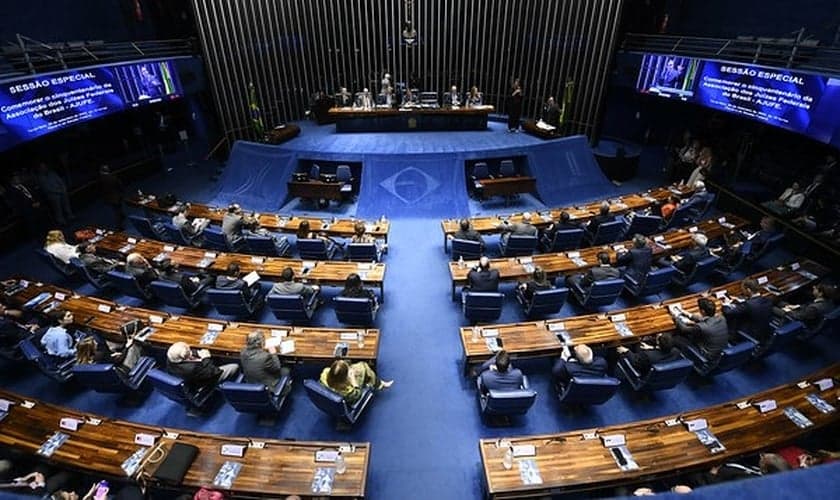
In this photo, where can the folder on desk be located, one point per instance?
(251, 278)
(37, 300)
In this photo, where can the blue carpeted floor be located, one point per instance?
(424, 430)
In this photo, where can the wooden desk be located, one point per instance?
(408, 119)
(311, 344)
(269, 268)
(278, 469)
(518, 269)
(569, 463)
(272, 222)
(530, 127)
(578, 213)
(507, 186)
(314, 189)
(282, 133)
(535, 339)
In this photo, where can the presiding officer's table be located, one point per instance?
(270, 468)
(315, 190)
(661, 447)
(407, 119)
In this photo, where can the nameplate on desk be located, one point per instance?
(743, 405)
(233, 450)
(825, 384)
(613, 440)
(618, 317)
(348, 336)
(766, 405)
(5, 404)
(275, 332)
(210, 255)
(572, 255)
(697, 424)
(795, 266)
(144, 439)
(326, 455)
(59, 296)
(804, 384)
(489, 332)
(761, 280)
(105, 308)
(133, 241)
(93, 421)
(722, 220)
(556, 327)
(215, 327)
(27, 404)
(526, 260)
(720, 294)
(619, 248)
(154, 318)
(364, 267)
(70, 424)
(692, 229)
(588, 436)
(257, 260)
(126, 248)
(256, 444)
(672, 422)
(659, 239)
(524, 450)
(287, 346)
(168, 248)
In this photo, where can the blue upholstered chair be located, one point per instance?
(175, 235)
(607, 232)
(829, 323)
(345, 177)
(780, 336)
(215, 239)
(599, 293)
(681, 217)
(562, 240)
(479, 172)
(146, 227)
(99, 282)
(334, 405)
(656, 281)
(315, 172)
(641, 224)
(256, 398)
(174, 388)
(514, 245)
(316, 249)
(543, 302)
(60, 370)
(355, 311)
(234, 302)
(468, 249)
(106, 377)
(363, 252)
(660, 376)
(771, 244)
(587, 390)
(66, 270)
(482, 306)
(173, 294)
(731, 357)
(268, 245)
(294, 308)
(701, 271)
(507, 169)
(501, 405)
(127, 284)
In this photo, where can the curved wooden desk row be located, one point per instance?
(582, 213)
(542, 338)
(329, 272)
(277, 469)
(272, 222)
(104, 316)
(667, 243)
(571, 461)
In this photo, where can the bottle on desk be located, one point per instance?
(461, 262)
(341, 464)
(360, 337)
(475, 334)
(507, 459)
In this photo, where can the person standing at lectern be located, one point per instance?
(514, 106)
(551, 113)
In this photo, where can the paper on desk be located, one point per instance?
(251, 278)
(287, 346)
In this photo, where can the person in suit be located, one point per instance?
(196, 368)
(707, 331)
(191, 283)
(55, 245)
(539, 281)
(409, 98)
(686, 261)
(364, 99)
(232, 280)
(58, 340)
(496, 374)
(55, 192)
(812, 313)
(452, 99)
(260, 364)
(349, 380)
(474, 98)
(234, 223)
(551, 112)
(752, 316)
(343, 99)
(137, 266)
(112, 191)
(603, 216)
(514, 106)
(562, 224)
(643, 355)
(355, 289)
(466, 232)
(789, 202)
(698, 201)
(185, 225)
(582, 363)
(756, 242)
(524, 228)
(95, 264)
(482, 278)
(288, 286)
(12, 330)
(637, 260)
(603, 271)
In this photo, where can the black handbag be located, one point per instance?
(174, 467)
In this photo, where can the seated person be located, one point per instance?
(349, 380)
(343, 99)
(196, 368)
(234, 224)
(583, 363)
(603, 271)
(603, 217)
(95, 264)
(474, 98)
(668, 208)
(260, 363)
(452, 99)
(752, 316)
(637, 260)
(707, 331)
(483, 279)
(643, 355)
(12, 331)
(758, 240)
(789, 202)
(187, 227)
(686, 261)
(232, 280)
(698, 201)
(496, 374)
(363, 99)
(550, 113)
(288, 286)
(812, 313)
(361, 236)
(729, 249)
(538, 282)
(124, 355)
(191, 283)
(524, 228)
(304, 232)
(58, 248)
(409, 98)
(563, 223)
(354, 289)
(768, 463)
(58, 340)
(137, 266)
(466, 232)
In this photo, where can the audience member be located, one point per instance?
(195, 367)
(354, 288)
(481, 278)
(768, 463)
(752, 315)
(232, 280)
(758, 241)
(524, 228)
(361, 236)
(603, 271)
(26, 202)
(288, 286)
(55, 192)
(58, 248)
(637, 260)
(812, 313)
(539, 281)
(260, 363)
(57, 340)
(349, 380)
(707, 331)
(137, 266)
(583, 363)
(234, 223)
(562, 224)
(95, 264)
(687, 260)
(643, 355)
(603, 217)
(190, 229)
(496, 374)
(789, 202)
(466, 232)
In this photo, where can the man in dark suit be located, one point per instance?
(482, 278)
(234, 224)
(551, 112)
(260, 364)
(195, 367)
(687, 260)
(752, 316)
(757, 241)
(697, 202)
(706, 331)
(231, 280)
(603, 217)
(812, 313)
(563, 223)
(642, 356)
(191, 283)
(583, 363)
(524, 228)
(137, 266)
(466, 232)
(95, 264)
(603, 271)
(637, 260)
(496, 374)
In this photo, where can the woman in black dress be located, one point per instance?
(514, 106)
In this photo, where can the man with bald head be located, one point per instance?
(580, 363)
(482, 278)
(524, 228)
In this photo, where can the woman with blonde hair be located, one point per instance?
(56, 246)
(87, 351)
(349, 380)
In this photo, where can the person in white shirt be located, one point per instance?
(58, 248)
(789, 202)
